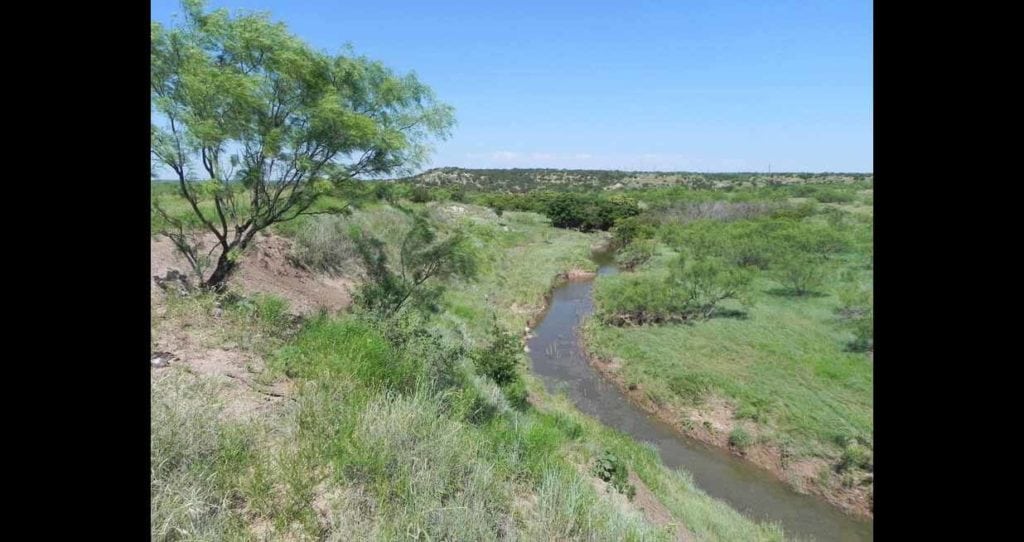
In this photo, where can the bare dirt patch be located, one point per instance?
(265, 268)
(244, 396)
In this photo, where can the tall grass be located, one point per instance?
(392, 435)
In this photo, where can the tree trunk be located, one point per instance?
(218, 280)
(225, 265)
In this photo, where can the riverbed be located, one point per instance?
(559, 360)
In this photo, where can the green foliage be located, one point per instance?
(420, 194)
(272, 123)
(325, 245)
(692, 387)
(800, 273)
(587, 212)
(855, 456)
(787, 363)
(856, 313)
(329, 348)
(384, 191)
(834, 196)
(636, 253)
(632, 228)
(740, 438)
(424, 261)
(389, 431)
(270, 310)
(499, 360)
(613, 470)
(692, 290)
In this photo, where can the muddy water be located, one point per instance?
(558, 359)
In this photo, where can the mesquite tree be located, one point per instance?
(256, 125)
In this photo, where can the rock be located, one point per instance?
(161, 359)
(174, 280)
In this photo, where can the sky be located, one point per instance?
(708, 86)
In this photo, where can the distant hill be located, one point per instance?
(520, 180)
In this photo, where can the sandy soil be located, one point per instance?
(265, 267)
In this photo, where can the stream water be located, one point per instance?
(558, 359)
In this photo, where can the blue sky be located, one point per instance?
(638, 85)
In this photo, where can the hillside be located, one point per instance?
(520, 180)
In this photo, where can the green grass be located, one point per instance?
(783, 364)
(783, 361)
(390, 435)
(521, 254)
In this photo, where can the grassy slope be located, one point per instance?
(785, 363)
(357, 455)
(785, 366)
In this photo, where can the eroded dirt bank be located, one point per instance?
(714, 420)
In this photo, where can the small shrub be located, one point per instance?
(856, 313)
(420, 194)
(691, 291)
(824, 476)
(636, 253)
(325, 245)
(631, 229)
(740, 438)
(834, 196)
(613, 470)
(499, 360)
(854, 456)
(800, 273)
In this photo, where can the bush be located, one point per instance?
(632, 228)
(325, 245)
(745, 243)
(708, 282)
(425, 260)
(855, 456)
(636, 253)
(691, 291)
(613, 470)
(856, 313)
(638, 300)
(800, 273)
(740, 438)
(420, 194)
(587, 212)
(834, 196)
(499, 360)
(516, 394)
(384, 191)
